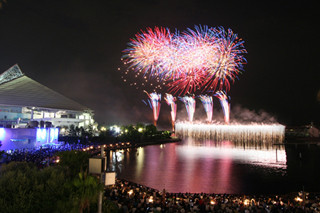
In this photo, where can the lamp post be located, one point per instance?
(101, 181)
(97, 166)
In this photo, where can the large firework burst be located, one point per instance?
(202, 59)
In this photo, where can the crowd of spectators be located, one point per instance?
(45, 155)
(131, 197)
(41, 156)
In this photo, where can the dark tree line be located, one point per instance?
(138, 133)
(66, 187)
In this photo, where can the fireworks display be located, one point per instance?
(224, 104)
(190, 104)
(155, 104)
(208, 105)
(195, 60)
(234, 132)
(171, 101)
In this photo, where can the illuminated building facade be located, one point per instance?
(26, 103)
(23, 100)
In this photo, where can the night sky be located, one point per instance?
(75, 47)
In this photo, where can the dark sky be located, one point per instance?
(75, 47)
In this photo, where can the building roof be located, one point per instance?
(16, 89)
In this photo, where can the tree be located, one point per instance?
(25, 188)
(140, 125)
(75, 161)
(78, 131)
(109, 206)
(130, 133)
(89, 131)
(86, 191)
(72, 130)
(166, 134)
(16, 185)
(107, 136)
(150, 130)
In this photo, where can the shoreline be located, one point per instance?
(162, 141)
(213, 193)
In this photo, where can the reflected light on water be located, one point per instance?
(140, 159)
(200, 166)
(266, 157)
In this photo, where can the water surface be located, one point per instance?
(207, 166)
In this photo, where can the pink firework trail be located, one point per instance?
(190, 104)
(155, 104)
(171, 101)
(224, 104)
(208, 105)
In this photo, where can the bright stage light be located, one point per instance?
(2, 133)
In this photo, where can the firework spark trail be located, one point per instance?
(155, 104)
(190, 104)
(224, 104)
(171, 101)
(208, 105)
(202, 59)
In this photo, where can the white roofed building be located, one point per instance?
(23, 99)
